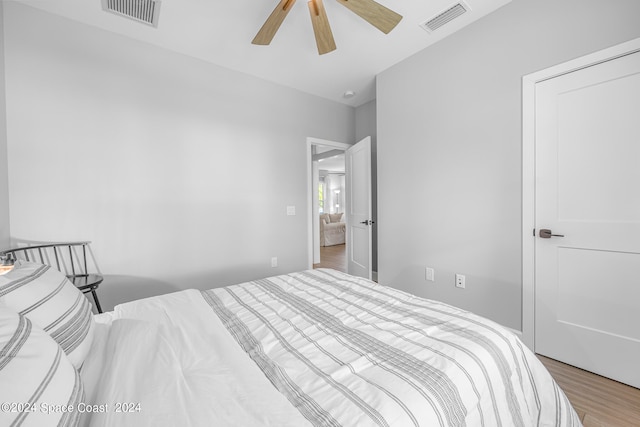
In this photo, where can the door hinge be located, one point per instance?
(534, 232)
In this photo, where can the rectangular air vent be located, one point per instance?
(445, 17)
(145, 11)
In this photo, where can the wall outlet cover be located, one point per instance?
(430, 274)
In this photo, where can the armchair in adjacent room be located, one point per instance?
(332, 229)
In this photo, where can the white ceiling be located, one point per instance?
(333, 164)
(220, 32)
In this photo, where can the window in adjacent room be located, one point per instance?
(321, 196)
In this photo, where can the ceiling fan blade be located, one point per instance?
(273, 22)
(321, 28)
(374, 13)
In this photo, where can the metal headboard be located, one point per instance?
(68, 257)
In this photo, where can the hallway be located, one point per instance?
(333, 257)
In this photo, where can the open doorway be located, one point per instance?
(327, 235)
(331, 207)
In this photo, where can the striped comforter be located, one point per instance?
(348, 352)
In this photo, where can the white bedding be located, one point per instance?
(198, 378)
(96, 360)
(332, 350)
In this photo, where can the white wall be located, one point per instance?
(4, 172)
(449, 148)
(179, 171)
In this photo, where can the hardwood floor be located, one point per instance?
(333, 257)
(598, 401)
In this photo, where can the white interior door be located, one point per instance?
(358, 208)
(587, 188)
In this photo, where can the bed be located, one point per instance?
(312, 348)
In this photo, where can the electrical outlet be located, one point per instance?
(274, 261)
(429, 274)
(460, 281)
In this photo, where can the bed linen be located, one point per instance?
(319, 348)
(172, 356)
(35, 375)
(46, 297)
(95, 361)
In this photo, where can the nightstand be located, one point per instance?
(88, 283)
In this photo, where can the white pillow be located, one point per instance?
(51, 301)
(36, 376)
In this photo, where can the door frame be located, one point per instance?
(310, 143)
(529, 169)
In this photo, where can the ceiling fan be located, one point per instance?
(374, 13)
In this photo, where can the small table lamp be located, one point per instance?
(6, 263)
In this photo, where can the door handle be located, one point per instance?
(367, 222)
(546, 234)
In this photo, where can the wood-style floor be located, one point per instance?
(600, 402)
(333, 257)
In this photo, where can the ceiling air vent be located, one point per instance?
(445, 17)
(145, 11)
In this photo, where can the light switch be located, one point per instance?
(430, 274)
(291, 210)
